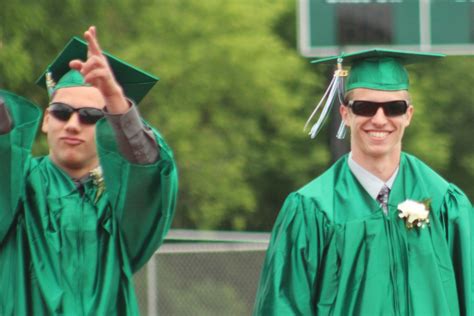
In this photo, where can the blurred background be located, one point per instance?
(235, 92)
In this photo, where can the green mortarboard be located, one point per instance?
(135, 82)
(378, 69)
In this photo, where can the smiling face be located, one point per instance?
(378, 137)
(72, 144)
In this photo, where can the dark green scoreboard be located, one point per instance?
(327, 27)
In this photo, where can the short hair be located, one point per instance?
(349, 96)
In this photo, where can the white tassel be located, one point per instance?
(326, 109)
(320, 102)
(334, 90)
(342, 131)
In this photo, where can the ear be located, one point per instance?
(44, 126)
(409, 114)
(344, 111)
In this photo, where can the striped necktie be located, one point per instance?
(382, 198)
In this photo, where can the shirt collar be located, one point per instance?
(371, 183)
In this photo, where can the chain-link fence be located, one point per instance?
(202, 273)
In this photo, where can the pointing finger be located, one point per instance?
(91, 38)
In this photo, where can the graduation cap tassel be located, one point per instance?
(334, 90)
(326, 110)
(50, 84)
(320, 103)
(342, 130)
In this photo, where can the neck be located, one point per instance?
(76, 174)
(382, 167)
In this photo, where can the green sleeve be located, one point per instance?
(287, 282)
(458, 218)
(143, 197)
(15, 149)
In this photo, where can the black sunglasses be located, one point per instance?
(369, 108)
(87, 115)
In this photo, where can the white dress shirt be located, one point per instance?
(371, 183)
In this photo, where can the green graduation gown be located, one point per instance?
(63, 251)
(334, 252)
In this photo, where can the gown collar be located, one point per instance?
(370, 182)
(63, 184)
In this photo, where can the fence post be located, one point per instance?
(152, 287)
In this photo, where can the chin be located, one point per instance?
(72, 164)
(71, 159)
(379, 151)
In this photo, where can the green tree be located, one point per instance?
(445, 93)
(231, 103)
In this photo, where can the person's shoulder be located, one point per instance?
(424, 173)
(316, 197)
(439, 188)
(301, 211)
(323, 185)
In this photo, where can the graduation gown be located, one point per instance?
(333, 251)
(65, 251)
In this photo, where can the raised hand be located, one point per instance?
(97, 72)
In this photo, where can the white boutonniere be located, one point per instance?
(98, 180)
(416, 214)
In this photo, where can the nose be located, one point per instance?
(379, 118)
(73, 125)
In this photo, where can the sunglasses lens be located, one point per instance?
(90, 115)
(367, 108)
(395, 108)
(364, 108)
(61, 111)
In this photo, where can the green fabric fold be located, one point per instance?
(62, 252)
(334, 252)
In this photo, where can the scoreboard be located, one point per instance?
(327, 27)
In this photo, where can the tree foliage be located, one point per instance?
(445, 92)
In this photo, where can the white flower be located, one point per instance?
(415, 213)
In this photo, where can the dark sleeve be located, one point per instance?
(135, 140)
(5, 119)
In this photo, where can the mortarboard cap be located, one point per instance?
(135, 82)
(378, 69)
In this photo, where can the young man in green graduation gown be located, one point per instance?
(379, 233)
(76, 224)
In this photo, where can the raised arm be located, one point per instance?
(139, 169)
(143, 195)
(136, 142)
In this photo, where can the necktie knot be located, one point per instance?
(382, 198)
